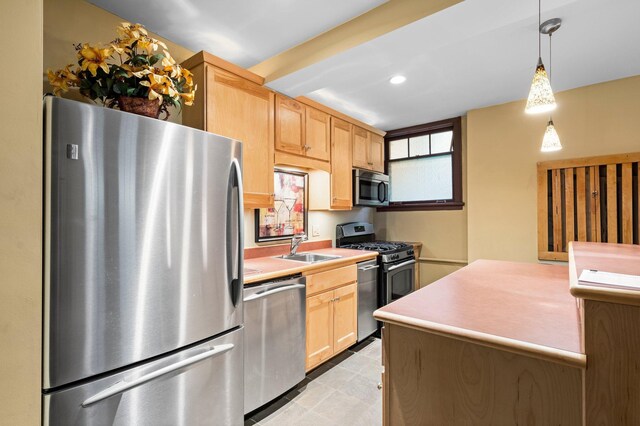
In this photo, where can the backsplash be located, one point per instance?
(324, 222)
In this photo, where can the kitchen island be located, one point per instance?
(493, 343)
(508, 343)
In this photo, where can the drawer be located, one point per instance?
(328, 280)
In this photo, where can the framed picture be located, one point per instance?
(288, 216)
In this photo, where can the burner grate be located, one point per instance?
(379, 246)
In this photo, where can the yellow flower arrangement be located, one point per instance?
(139, 71)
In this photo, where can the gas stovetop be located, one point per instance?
(360, 236)
(382, 247)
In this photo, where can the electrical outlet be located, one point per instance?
(315, 231)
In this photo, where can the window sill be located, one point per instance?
(452, 205)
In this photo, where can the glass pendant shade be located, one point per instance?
(541, 97)
(551, 140)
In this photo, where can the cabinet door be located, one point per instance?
(319, 328)
(361, 148)
(317, 134)
(341, 141)
(243, 110)
(345, 317)
(290, 125)
(377, 152)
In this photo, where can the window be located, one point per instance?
(424, 164)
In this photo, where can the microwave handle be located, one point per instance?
(382, 192)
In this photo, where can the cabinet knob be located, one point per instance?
(379, 386)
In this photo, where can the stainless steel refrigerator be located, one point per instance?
(143, 271)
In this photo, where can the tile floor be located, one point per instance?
(343, 391)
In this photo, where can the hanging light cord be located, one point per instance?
(539, 36)
(550, 34)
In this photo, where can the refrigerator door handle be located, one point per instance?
(274, 291)
(125, 386)
(234, 265)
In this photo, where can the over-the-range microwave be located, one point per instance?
(370, 188)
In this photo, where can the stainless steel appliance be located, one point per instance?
(143, 271)
(396, 259)
(370, 188)
(275, 339)
(367, 298)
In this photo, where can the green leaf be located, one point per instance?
(140, 59)
(155, 58)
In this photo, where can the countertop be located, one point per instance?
(518, 307)
(269, 267)
(616, 258)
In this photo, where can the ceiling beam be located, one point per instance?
(374, 23)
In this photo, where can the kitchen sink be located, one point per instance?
(308, 257)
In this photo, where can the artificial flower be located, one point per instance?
(149, 44)
(131, 31)
(139, 72)
(159, 85)
(94, 58)
(169, 65)
(188, 97)
(188, 77)
(62, 79)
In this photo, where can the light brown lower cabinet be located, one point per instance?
(332, 314)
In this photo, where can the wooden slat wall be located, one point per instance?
(569, 207)
(588, 199)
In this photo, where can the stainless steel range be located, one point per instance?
(396, 262)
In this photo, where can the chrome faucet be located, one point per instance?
(295, 242)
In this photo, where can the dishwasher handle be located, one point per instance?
(274, 291)
(367, 268)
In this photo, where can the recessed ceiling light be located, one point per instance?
(398, 79)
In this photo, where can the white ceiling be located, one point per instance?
(474, 54)
(244, 32)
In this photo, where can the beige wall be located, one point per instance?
(69, 22)
(504, 147)
(20, 212)
(326, 222)
(443, 233)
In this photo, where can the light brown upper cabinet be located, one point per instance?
(377, 152)
(231, 104)
(341, 139)
(317, 134)
(290, 125)
(368, 150)
(302, 135)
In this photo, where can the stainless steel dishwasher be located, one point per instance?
(274, 339)
(367, 298)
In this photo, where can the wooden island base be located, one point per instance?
(511, 343)
(436, 380)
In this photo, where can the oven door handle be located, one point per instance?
(408, 262)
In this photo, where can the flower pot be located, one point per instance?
(140, 106)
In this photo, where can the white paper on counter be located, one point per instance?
(610, 279)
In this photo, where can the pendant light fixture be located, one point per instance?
(550, 140)
(540, 95)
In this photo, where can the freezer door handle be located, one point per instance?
(235, 232)
(274, 291)
(125, 386)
